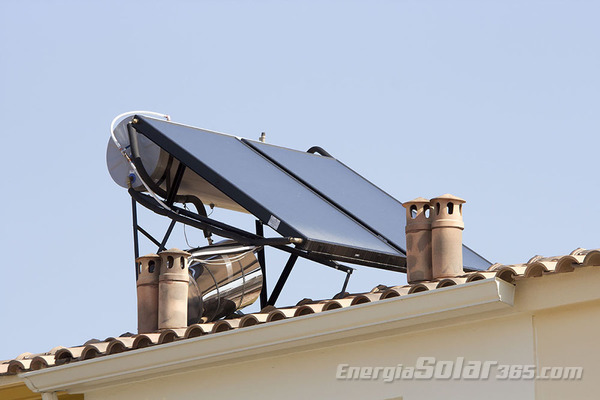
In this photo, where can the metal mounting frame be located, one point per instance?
(197, 221)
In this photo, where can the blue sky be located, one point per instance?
(496, 102)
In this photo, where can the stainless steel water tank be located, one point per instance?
(223, 278)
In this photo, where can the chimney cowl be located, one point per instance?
(174, 265)
(148, 269)
(417, 216)
(445, 213)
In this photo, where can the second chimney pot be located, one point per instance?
(173, 289)
(446, 236)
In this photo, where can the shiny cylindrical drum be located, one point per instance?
(224, 278)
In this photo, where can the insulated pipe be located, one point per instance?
(173, 289)
(147, 292)
(320, 150)
(136, 159)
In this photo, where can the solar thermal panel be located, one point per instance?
(342, 186)
(365, 202)
(272, 194)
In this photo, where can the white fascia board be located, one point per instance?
(393, 315)
(557, 290)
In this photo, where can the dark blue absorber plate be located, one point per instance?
(358, 197)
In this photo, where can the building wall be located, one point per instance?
(312, 373)
(568, 336)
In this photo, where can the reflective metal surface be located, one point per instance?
(224, 278)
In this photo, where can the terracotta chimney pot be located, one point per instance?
(418, 240)
(147, 292)
(173, 289)
(446, 236)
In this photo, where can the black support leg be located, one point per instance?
(136, 245)
(263, 266)
(282, 279)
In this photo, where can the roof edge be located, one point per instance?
(408, 313)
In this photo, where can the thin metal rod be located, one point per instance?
(324, 261)
(345, 285)
(136, 245)
(282, 279)
(263, 265)
(167, 234)
(200, 222)
(334, 264)
(149, 236)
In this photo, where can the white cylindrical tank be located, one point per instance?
(161, 167)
